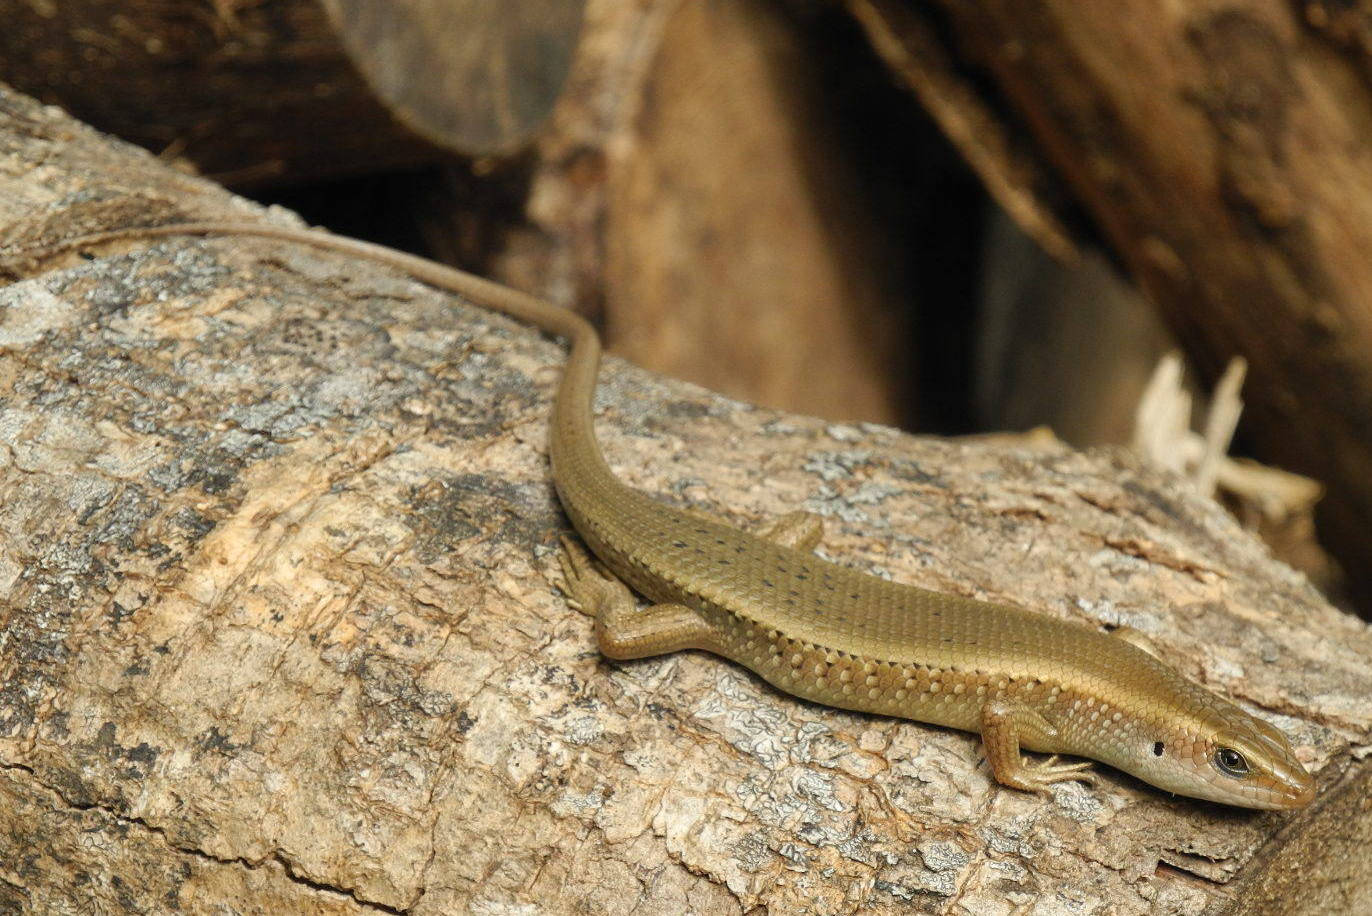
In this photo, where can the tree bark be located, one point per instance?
(1222, 153)
(279, 626)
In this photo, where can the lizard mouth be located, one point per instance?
(1288, 788)
(1297, 788)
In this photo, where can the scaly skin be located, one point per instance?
(836, 636)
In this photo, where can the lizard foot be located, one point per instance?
(1037, 777)
(589, 590)
(623, 630)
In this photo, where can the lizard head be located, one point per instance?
(1228, 756)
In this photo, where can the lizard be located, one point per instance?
(1023, 681)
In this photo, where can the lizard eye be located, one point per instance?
(1231, 762)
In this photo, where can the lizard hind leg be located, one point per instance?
(799, 529)
(622, 630)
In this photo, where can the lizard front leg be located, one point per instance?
(1003, 724)
(622, 630)
(799, 529)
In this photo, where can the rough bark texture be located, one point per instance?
(270, 93)
(1223, 152)
(280, 630)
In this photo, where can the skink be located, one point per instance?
(830, 634)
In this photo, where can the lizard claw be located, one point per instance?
(576, 567)
(586, 587)
(1042, 775)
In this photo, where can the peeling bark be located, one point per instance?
(281, 630)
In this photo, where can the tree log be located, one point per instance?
(279, 625)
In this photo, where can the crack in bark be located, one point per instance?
(287, 867)
(1174, 867)
(1149, 552)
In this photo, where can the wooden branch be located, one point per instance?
(279, 626)
(704, 266)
